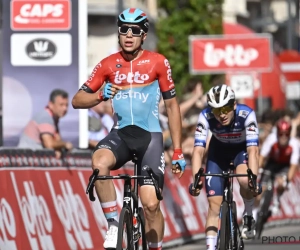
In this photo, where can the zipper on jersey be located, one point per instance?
(131, 94)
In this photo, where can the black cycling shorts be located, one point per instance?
(147, 146)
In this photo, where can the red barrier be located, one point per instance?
(47, 208)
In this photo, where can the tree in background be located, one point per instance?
(180, 19)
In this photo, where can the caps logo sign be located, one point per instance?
(40, 15)
(218, 54)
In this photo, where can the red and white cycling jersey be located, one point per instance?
(143, 80)
(288, 155)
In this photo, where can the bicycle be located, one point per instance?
(132, 216)
(264, 212)
(228, 230)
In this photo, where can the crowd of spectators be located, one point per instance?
(43, 131)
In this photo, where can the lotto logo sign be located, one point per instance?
(219, 54)
(40, 15)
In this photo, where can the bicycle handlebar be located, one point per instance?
(225, 174)
(94, 177)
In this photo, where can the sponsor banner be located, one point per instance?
(40, 54)
(40, 15)
(242, 85)
(41, 49)
(219, 54)
(47, 208)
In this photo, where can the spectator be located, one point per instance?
(42, 131)
(100, 123)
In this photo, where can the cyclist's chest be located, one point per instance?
(281, 155)
(139, 72)
(232, 134)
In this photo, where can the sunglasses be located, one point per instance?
(136, 31)
(284, 134)
(223, 110)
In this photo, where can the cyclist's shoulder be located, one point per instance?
(243, 110)
(154, 55)
(206, 112)
(294, 142)
(113, 58)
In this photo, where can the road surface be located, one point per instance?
(285, 233)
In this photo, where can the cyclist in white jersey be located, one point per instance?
(234, 138)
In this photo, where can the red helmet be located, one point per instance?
(284, 127)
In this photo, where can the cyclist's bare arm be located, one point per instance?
(253, 158)
(84, 100)
(292, 171)
(295, 157)
(262, 161)
(174, 117)
(197, 158)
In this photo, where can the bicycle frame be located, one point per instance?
(227, 197)
(128, 196)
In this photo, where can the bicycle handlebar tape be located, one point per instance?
(90, 187)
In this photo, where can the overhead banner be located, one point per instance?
(40, 54)
(220, 54)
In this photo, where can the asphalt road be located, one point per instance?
(271, 240)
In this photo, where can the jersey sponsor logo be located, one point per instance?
(169, 71)
(229, 136)
(99, 65)
(83, 87)
(252, 127)
(252, 144)
(211, 192)
(131, 77)
(143, 62)
(155, 112)
(200, 143)
(132, 94)
(173, 92)
(200, 127)
(163, 164)
(243, 113)
(119, 65)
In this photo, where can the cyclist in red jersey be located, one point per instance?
(134, 79)
(279, 158)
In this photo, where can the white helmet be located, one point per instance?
(220, 96)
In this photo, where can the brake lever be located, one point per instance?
(197, 179)
(254, 184)
(90, 187)
(154, 178)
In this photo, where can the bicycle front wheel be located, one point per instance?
(142, 243)
(235, 226)
(225, 227)
(125, 240)
(264, 212)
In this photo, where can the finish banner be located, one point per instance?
(47, 208)
(40, 54)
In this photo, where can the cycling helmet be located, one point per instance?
(134, 16)
(284, 127)
(220, 96)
